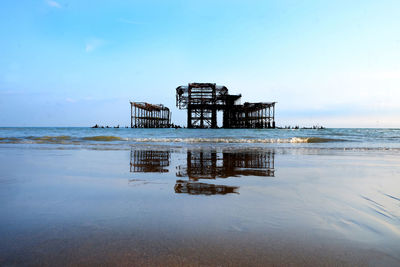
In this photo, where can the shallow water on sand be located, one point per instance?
(199, 205)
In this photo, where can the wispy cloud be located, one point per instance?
(93, 44)
(70, 100)
(53, 3)
(10, 92)
(129, 21)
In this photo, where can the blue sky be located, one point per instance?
(78, 63)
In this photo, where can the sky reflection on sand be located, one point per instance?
(268, 202)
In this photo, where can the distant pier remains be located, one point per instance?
(145, 115)
(203, 100)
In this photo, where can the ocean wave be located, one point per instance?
(103, 138)
(10, 140)
(50, 139)
(63, 139)
(238, 140)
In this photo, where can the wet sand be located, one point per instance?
(158, 206)
(100, 247)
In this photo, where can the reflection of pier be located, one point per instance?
(212, 165)
(194, 188)
(206, 164)
(149, 161)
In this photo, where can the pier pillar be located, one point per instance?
(189, 118)
(214, 118)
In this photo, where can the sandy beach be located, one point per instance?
(199, 206)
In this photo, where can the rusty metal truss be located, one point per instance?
(145, 115)
(203, 100)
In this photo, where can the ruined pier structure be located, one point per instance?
(203, 100)
(145, 115)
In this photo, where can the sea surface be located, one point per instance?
(199, 197)
(124, 137)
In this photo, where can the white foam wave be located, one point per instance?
(235, 140)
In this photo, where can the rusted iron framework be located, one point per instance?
(250, 115)
(149, 161)
(203, 100)
(145, 115)
(212, 164)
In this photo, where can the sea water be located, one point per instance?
(323, 138)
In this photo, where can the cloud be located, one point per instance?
(92, 44)
(70, 100)
(53, 3)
